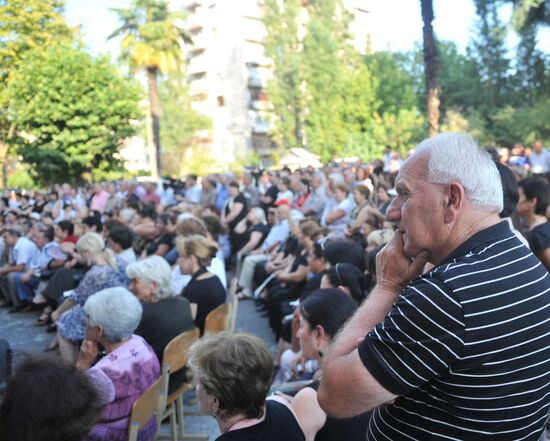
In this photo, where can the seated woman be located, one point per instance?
(321, 316)
(128, 368)
(349, 279)
(103, 273)
(251, 231)
(165, 314)
(362, 213)
(165, 235)
(338, 218)
(534, 198)
(48, 399)
(233, 374)
(205, 292)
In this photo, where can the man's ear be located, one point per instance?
(454, 201)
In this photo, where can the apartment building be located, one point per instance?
(227, 71)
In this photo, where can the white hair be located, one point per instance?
(457, 157)
(153, 269)
(260, 214)
(117, 310)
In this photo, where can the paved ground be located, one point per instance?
(24, 337)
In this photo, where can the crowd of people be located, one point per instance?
(407, 299)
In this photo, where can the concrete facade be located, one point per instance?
(227, 70)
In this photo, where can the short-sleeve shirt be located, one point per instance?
(539, 237)
(121, 377)
(466, 347)
(241, 200)
(23, 252)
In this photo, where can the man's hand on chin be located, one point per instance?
(394, 269)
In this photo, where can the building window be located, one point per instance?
(221, 101)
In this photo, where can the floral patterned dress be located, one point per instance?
(72, 323)
(121, 377)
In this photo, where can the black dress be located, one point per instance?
(350, 429)
(539, 237)
(231, 225)
(279, 425)
(207, 294)
(160, 323)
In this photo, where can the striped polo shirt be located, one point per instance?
(467, 347)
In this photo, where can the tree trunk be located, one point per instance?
(4, 147)
(431, 67)
(152, 74)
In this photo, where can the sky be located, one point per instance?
(394, 24)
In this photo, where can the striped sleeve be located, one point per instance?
(418, 340)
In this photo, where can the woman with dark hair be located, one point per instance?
(165, 236)
(48, 399)
(322, 314)
(233, 375)
(347, 278)
(345, 251)
(534, 198)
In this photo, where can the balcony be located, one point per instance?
(197, 66)
(198, 86)
(260, 127)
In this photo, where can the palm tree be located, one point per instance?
(152, 40)
(431, 66)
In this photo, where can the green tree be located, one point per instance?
(179, 121)
(395, 86)
(284, 89)
(489, 50)
(325, 57)
(152, 40)
(25, 25)
(431, 67)
(71, 112)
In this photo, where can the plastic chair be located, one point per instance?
(151, 403)
(217, 320)
(175, 358)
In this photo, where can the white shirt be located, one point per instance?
(340, 224)
(540, 163)
(23, 252)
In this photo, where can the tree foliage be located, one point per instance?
(152, 40)
(283, 46)
(71, 112)
(179, 121)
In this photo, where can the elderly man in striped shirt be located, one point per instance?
(461, 351)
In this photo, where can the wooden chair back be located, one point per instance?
(175, 352)
(217, 320)
(151, 403)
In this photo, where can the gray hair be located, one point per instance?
(117, 310)
(457, 157)
(260, 214)
(153, 269)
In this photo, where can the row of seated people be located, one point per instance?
(49, 400)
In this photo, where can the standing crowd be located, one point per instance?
(407, 299)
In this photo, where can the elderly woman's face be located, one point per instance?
(206, 401)
(141, 289)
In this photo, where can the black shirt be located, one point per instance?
(539, 237)
(466, 347)
(160, 323)
(279, 425)
(242, 214)
(208, 294)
